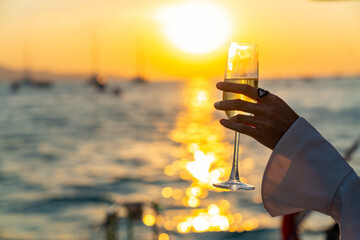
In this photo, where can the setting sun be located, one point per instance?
(195, 27)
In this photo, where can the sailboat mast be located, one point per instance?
(94, 51)
(139, 58)
(26, 62)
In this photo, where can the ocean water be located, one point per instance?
(69, 153)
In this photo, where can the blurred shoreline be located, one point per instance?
(9, 74)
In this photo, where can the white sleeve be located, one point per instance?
(346, 207)
(306, 172)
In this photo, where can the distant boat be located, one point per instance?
(140, 63)
(116, 91)
(139, 79)
(98, 81)
(337, 76)
(15, 86)
(27, 81)
(307, 79)
(36, 83)
(44, 84)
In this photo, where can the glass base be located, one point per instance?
(234, 185)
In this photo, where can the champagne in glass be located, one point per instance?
(229, 95)
(241, 67)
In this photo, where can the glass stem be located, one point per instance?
(234, 176)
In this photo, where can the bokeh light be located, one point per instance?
(201, 162)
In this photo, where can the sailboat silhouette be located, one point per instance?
(96, 80)
(27, 79)
(139, 64)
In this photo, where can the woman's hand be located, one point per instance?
(272, 117)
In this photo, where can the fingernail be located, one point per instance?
(216, 105)
(223, 121)
(219, 84)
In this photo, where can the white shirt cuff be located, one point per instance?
(303, 172)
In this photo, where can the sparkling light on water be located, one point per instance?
(202, 161)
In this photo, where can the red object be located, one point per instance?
(289, 227)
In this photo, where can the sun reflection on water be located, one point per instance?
(202, 160)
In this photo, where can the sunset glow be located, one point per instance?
(195, 27)
(180, 40)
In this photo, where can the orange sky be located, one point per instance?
(295, 37)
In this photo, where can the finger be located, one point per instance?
(268, 97)
(238, 104)
(248, 120)
(244, 89)
(241, 128)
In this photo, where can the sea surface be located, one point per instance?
(70, 154)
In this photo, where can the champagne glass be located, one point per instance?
(241, 67)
